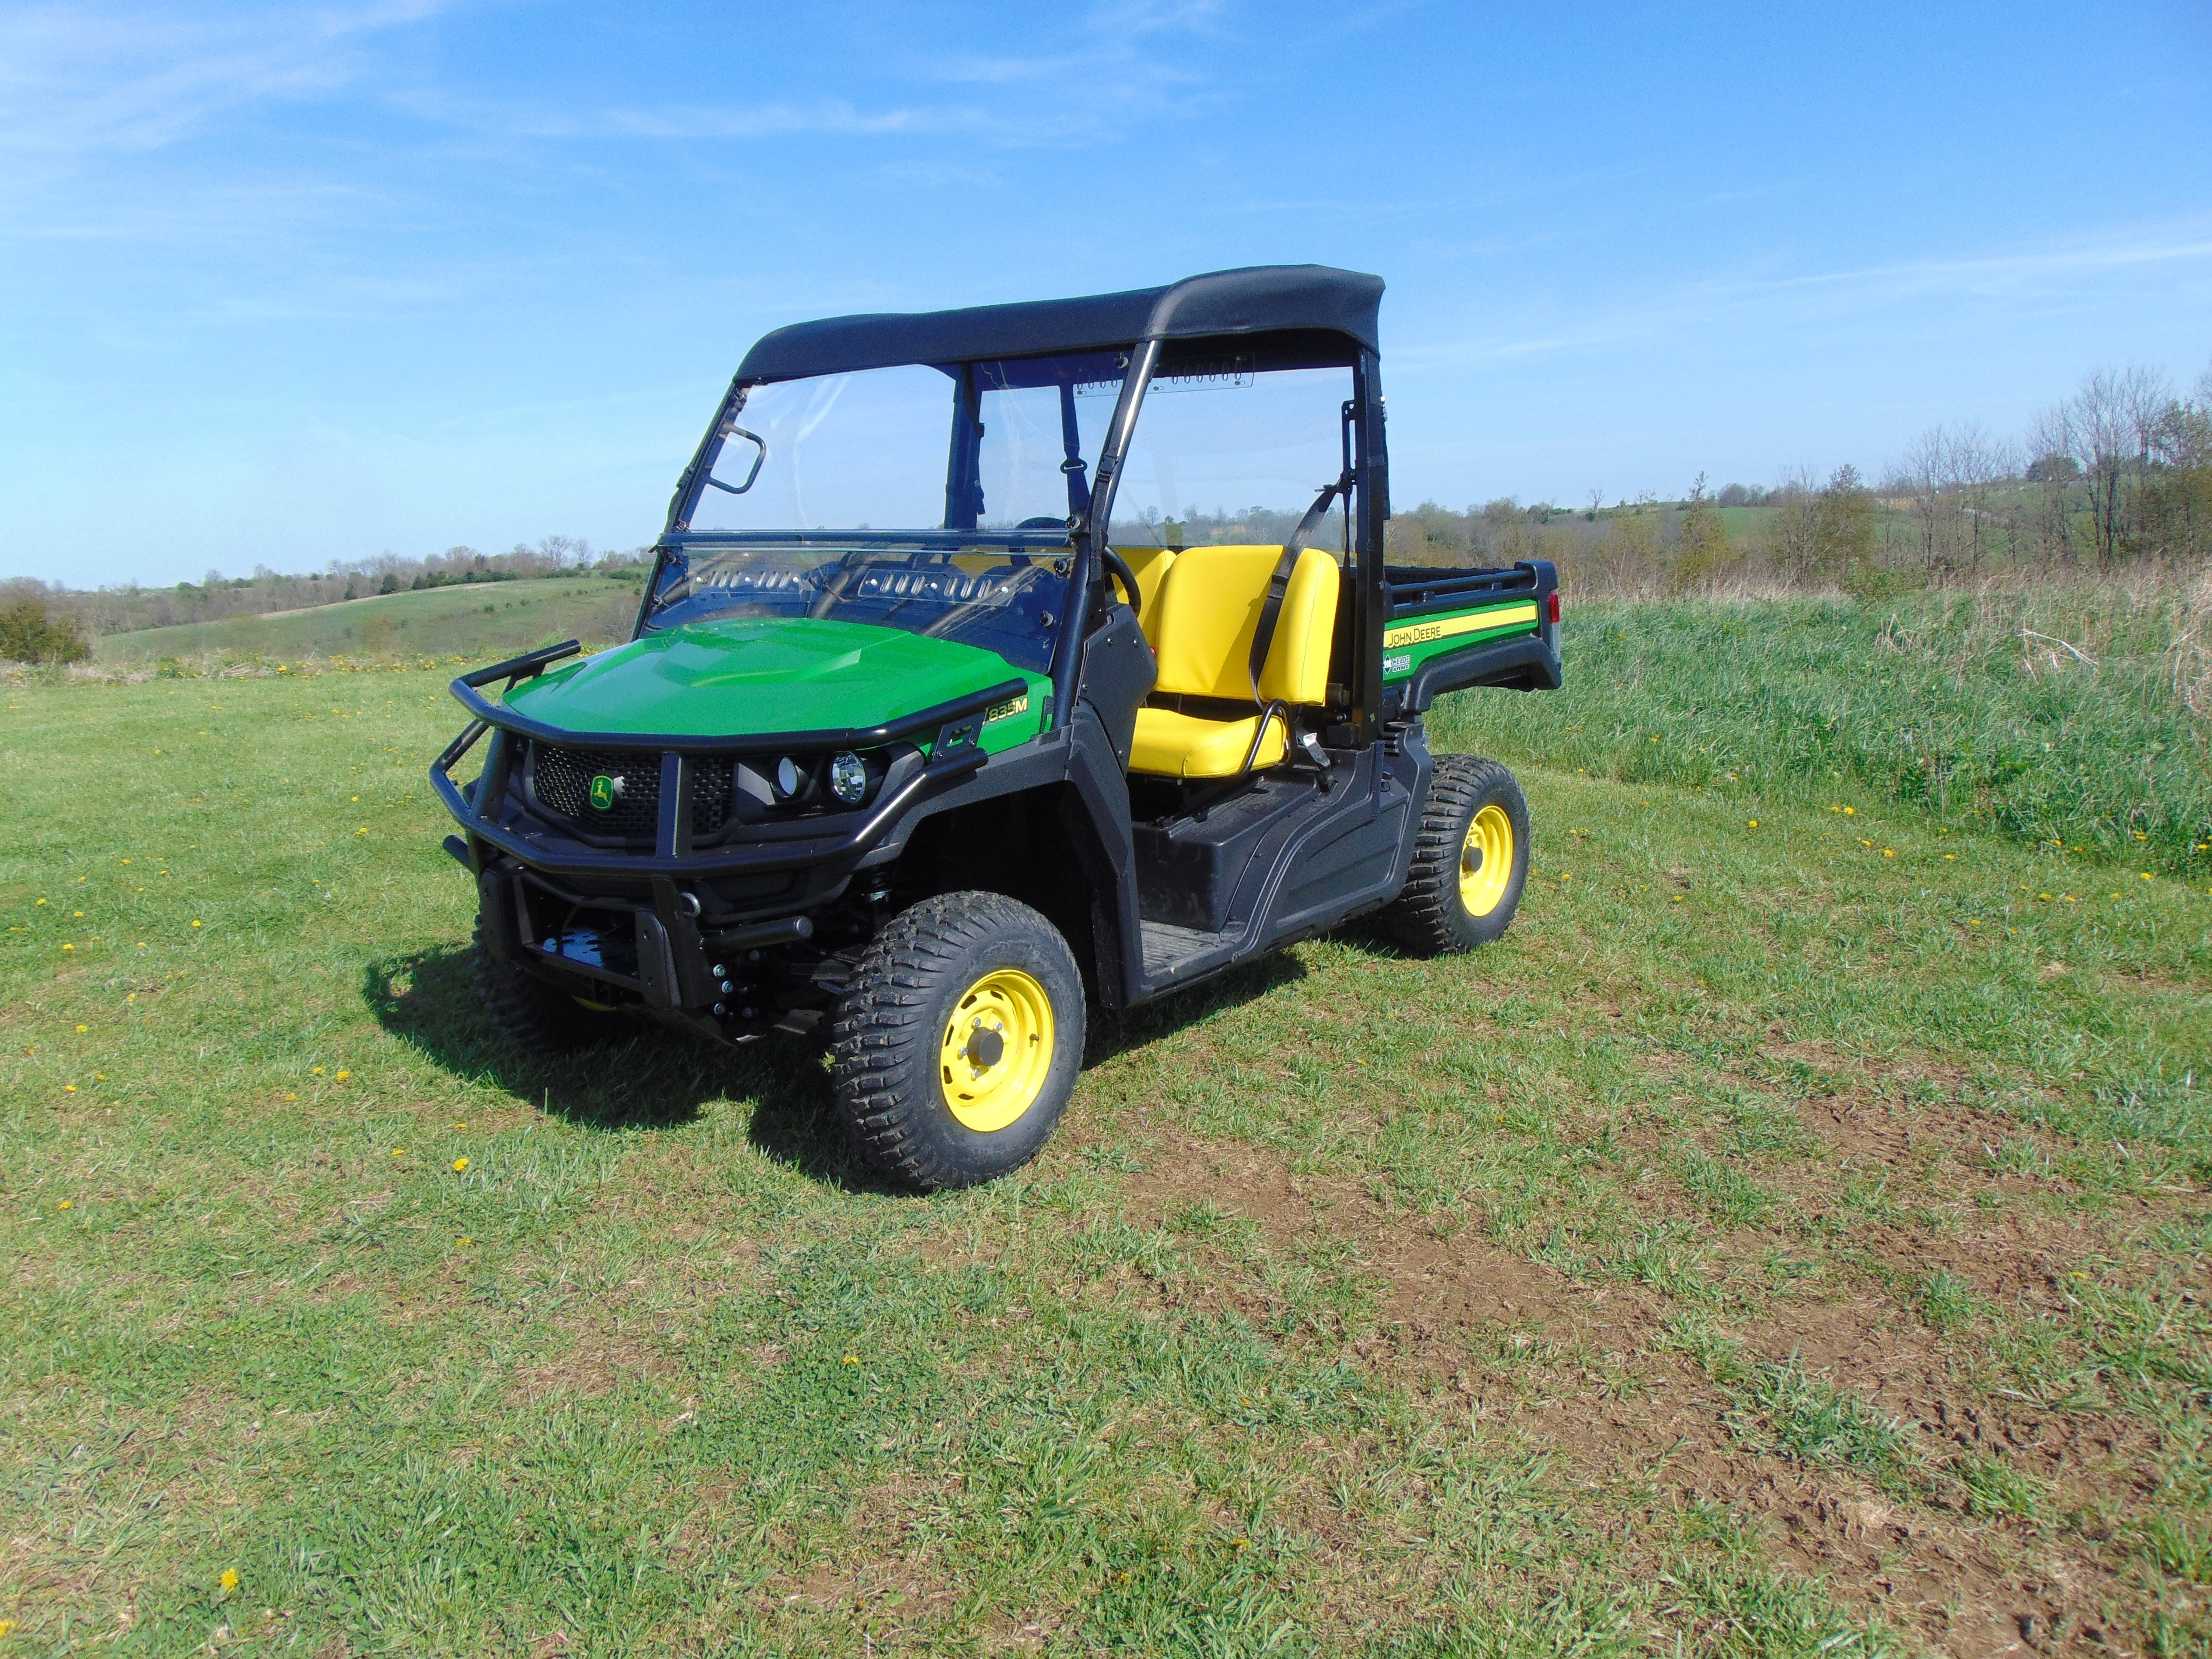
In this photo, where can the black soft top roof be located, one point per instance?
(1253, 299)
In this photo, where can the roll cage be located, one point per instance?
(1274, 316)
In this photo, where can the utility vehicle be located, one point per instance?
(988, 673)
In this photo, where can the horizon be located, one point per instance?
(299, 290)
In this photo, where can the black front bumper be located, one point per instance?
(654, 924)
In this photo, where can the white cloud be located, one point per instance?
(2085, 271)
(77, 81)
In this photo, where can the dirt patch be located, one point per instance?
(1586, 1371)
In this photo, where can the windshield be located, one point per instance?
(1001, 600)
(988, 446)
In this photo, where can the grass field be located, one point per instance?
(1791, 1239)
(474, 620)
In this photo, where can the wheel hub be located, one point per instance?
(987, 1047)
(997, 1050)
(1486, 861)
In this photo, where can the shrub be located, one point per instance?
(28, 634)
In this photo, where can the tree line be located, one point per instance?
(128, 607)
(2119, 471)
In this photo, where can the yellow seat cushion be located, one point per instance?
(1175, 745)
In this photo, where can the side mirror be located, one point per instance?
(760, 457)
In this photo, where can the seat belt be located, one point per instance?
(1071, 438)
(1270, 610)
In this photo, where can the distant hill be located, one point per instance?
(476, 620)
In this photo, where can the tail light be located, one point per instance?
(1552, 607)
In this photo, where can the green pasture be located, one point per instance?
(1791, 1239)
(2058, 714)
(472, 619)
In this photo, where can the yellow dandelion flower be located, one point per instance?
(77, 913)
(100, 1077)
(1887, 853)
(399, 1152)
(460, 1164)
(464, 1242)
(69, 947)
(6, 1625)
(1950, 858)
(42, 901)
(343, 1076)
(1754, 824)
(196, 924)
(1975, 923)
(64, 1204)
(291, 1097)
(229, 1580)
(2146, 875)
(84, 1028)
(69, 1087)
(1850, 812)
(852, 1359)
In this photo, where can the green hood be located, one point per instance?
(760, 676)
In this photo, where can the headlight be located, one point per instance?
(848, 778)
(787, 777)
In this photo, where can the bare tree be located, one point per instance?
(1975, 464)
(2110, 425)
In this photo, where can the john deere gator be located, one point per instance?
(996, 667)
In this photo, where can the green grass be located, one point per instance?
(483, 619)
(1973, 712)
(1601, 1293)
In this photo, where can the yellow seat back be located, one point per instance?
(1208, 607)
(1149, 565)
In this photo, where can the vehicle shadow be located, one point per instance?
(657, 1079)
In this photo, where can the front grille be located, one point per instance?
(710, 795)
(562, 779)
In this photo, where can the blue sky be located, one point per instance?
(288, 285)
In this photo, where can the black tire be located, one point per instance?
(1431, 917)
(894, 1025)
(534, 1015)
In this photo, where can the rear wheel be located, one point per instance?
(957, 1047)
(1470, 860)
(534, 1015)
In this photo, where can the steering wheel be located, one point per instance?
(1118, 568)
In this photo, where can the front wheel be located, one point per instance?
(956, 1049)
(1470, 860)
(532, 1014)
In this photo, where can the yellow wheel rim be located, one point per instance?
(1485, 863)
(997, 1050)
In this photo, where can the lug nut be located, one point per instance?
(719, 971)
(720, 1010)
(728, 986)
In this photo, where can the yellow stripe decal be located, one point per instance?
(1443, 627)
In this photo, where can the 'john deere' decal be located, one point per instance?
(606, 792)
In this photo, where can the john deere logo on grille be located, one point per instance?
(606, 791)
